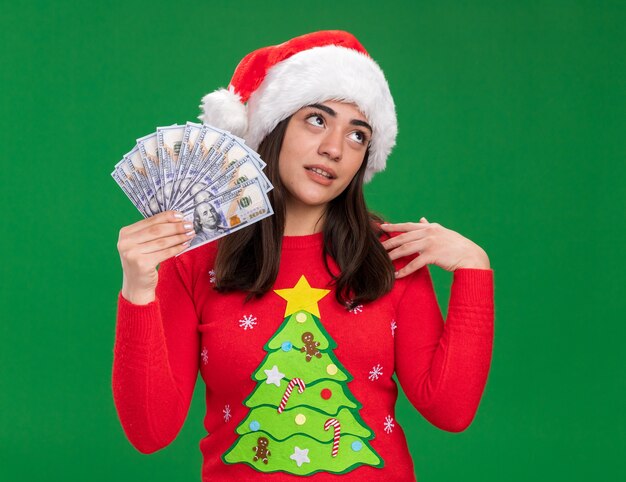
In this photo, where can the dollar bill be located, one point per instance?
(238, 172)
(240, 149)
(125, 183)
(230, 211)
(135, 180)
(207, 141)
(148, 150)
(199, 174)
(208, 147)
(169, 144)
(227, 156)
(190, 137)
(241, 171)
(214, 159)
(142, 178)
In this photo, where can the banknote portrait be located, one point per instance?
(207, 223)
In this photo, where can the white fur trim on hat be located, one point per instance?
(317, 75)
(223, 108)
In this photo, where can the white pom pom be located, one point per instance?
(223, 109)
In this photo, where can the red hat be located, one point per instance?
(273, 82)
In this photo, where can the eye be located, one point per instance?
(359, 136)
(315, 119)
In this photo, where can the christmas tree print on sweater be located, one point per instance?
(303, 418)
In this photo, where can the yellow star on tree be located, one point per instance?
(302, 297)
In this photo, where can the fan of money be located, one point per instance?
(208, 174)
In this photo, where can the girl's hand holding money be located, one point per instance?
(435, 245)
(145, 244)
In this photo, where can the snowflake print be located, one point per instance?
(212, 276)
(248, 321)
(376, 372)
(356, 310)
(389, 424)
(205, 355)
(227, 415)
(393, 327)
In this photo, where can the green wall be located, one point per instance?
(510, 116)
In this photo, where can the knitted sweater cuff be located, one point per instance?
(137, 322)
(472, 286)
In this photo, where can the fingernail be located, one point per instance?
(178, 215)
(396, 274)
(186, 243)
(191, 233)
(188, 226)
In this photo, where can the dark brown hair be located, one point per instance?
(248, 259)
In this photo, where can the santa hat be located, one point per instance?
(272, 83)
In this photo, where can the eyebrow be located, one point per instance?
(333, 113)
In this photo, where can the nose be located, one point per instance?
(331, 144)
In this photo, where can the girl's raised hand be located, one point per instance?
(435, 245)
(145, 244)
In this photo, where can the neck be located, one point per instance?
(302, 220)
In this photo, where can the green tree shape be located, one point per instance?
(301, 424)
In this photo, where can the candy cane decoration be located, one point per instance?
(292, 383)
(337, 427)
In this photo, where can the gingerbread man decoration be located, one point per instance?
(310, 346)
(261, 450)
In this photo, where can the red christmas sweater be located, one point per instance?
(297, 384)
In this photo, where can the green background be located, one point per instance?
(510, 116)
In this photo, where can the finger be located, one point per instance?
(150, 233)
(411, 267)
(164, 217)
(407, 249)
(165, 243)
(398, 226)
(162, 230)
(423, 220)
(164, 254)
(402, 238)
(402, 226)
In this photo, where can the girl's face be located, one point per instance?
(323, 148)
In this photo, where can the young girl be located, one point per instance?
(298, 322)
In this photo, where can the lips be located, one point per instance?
(322, 170)
(318, 178)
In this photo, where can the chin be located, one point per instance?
(315, 197)
(318, 201)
